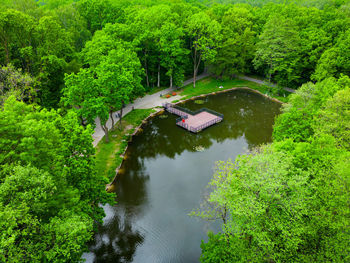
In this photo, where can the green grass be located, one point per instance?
(136, 116)
(210, 84)
(108, 154)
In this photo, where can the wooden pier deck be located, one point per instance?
(194, 121)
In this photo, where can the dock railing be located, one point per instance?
(171, 108)
(183, 113)
(204, 125)
(180, 123)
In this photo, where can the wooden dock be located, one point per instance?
(194, 121)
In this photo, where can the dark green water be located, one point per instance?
(164, 179)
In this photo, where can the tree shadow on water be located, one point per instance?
(246, 114)
(116, 241)
(118, 238)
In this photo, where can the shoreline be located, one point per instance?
(110, 186)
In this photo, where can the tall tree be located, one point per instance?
(49, 192)
(147, 24)
(204, 36)
(16, 29)
(55, 49)
(335, 60)
(334, 118)
(297, 119)
(237, 48)
(119, 74)
(263, 197)
(173, 53)
(72, 21)
(112, 81)
(278, 206)
(98, 13)
(277, 49)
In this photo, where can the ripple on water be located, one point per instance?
(164, 177)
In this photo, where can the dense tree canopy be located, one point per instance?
(289, 44)
(49, 190)
(112, 80)
(65, 62)
(289, 201)
(14, 82)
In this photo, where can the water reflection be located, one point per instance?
(164, 178)
(246, 114)
(116, 240)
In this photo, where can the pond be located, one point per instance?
(165, 175)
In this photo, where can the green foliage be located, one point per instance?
(285, 202)
(49, 191)
(112, 80)
(15, 30)
(205, 36)
(288, 201)
(14, 82)
(298, 118)
(278, 48)
(222, 248)
(29, 234)
(108, 154)
(236, 51)
(173, 52)
(295, 124)
(98, 13)
(334, 118)
(263, 187)
(335, 60)
(298, 187)
(290, 43)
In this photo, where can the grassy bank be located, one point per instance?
(108, 154)
(211, 84)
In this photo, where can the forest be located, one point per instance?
(64, 63)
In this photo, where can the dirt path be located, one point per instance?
(146, 102)
(262, 82)
(154, 100)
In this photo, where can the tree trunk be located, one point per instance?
(111, 115)
(224, 216)
(270, 72)
(158, 80)
(171, 80)
(196, 63)
(105, 129)
(194, 67)
(120, 118)
(82, 121)
(146, 69)
(147, 80)
(194, 76)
